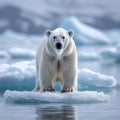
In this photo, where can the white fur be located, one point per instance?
(47, 57)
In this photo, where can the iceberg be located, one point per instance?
(95, 79)
(48, 97)
(84, 34)
(21, 76)
(20, 53)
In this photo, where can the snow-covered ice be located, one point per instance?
(84, 34)
(95, 79)
(19, 53)
(48, 97)
(17, 71)
(18, 76)
(21, 76)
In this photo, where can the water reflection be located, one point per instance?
(56, 112)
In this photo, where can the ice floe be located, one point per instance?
(95, 79)
(48, 97)
(21, 76)
(18, 76)
(19, 53)
(84, 34)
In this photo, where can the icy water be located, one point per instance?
(105, 111)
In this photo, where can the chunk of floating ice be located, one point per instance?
(17, 72)
(84, 34)
(18, 53)
(89, 77)
(17, 76)
(48, 97)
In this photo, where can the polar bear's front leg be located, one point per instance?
(47, 85)
(70, 81)
(47, 81)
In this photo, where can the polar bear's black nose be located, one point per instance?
(58, 45)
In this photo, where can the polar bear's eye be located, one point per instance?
(54, 37)
(63, 37)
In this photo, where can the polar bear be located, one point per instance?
(56, 60)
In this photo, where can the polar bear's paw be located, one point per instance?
(37, 89)
(48, 90)
(67, 90)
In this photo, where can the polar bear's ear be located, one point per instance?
(48, 32)
(71, 33)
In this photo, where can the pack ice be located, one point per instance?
(19, 53)
(21, 76)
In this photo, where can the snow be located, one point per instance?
(84, 34)
(95, 79)
(21, 76)
(17, 52)
(48, 97)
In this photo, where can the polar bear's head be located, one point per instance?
(59, 39)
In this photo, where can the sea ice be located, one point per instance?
(10, 39)
(111, 54)
(3, 54)
(85, 56)
(48, 97)
(114, 34)
(21, 76)
(84, 34)
(95, 79)
(18, 76)
(19, 53)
